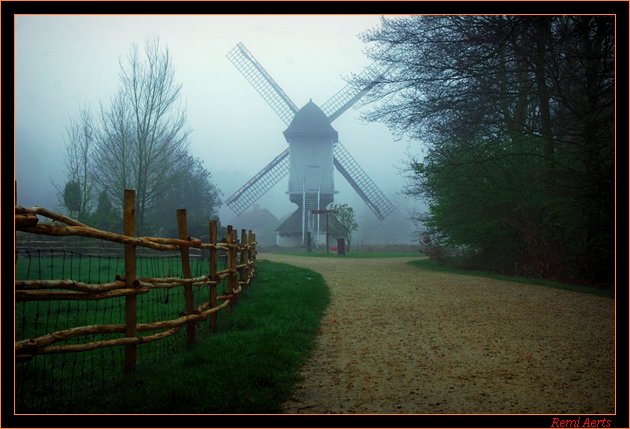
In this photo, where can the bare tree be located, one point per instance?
(143, 133)
(77, 194)
(113, 149)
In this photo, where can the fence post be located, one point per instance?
(231, 264)
(14, 206)
(250, 253)
(213, 272)
(129, 229)
(184, 251)
(244, 257)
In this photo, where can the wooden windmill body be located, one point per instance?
(313, 153)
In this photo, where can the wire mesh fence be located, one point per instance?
(94, 305)
(45, 381)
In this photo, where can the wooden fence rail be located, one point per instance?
(238, 276)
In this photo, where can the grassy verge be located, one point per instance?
(427, 264)
(249, 365)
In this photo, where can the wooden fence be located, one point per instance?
(238, 274)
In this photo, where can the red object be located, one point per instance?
(334, 248)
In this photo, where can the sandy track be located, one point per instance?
(397, 339)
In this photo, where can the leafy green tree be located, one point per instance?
(517, 115)
(192, 189)
(104, 217)
(343, 222)
(72, 197)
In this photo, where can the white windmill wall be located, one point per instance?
(311, 165)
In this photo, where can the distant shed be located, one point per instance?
(262, 222)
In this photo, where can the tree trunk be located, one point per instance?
(542, 37)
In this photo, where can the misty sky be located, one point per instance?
(64, 63)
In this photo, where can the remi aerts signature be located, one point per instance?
(580, 423)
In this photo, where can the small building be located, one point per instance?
(289, 233)
(262, 222)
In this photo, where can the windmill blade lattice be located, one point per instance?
(256, 187)
(262, 82)
(361, 182)
(349, 94)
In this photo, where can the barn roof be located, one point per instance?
(310, 121)
(293, 224)
(256, 219)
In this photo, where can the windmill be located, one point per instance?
(313, 150)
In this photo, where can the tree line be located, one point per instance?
(138, 140)
(516, 115)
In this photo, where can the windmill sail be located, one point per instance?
(256, 187)
(361, 183)
(307, 125)
(262, 82)
(350, 94)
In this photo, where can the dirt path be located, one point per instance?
(397, 339)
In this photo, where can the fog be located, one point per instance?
(65, 63)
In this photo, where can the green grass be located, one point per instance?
(102, 269)
(249, 365)
(48, 382)
(427, 264)
(35, 318)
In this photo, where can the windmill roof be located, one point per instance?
(256, 218)
(310, 121)
(293, 224)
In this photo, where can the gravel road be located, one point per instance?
(398, 339)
